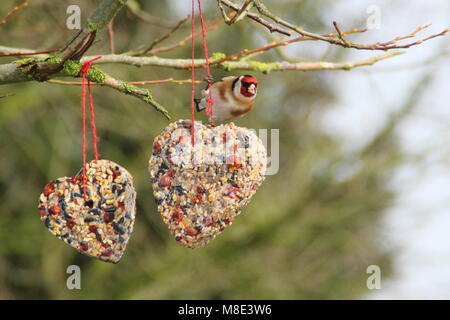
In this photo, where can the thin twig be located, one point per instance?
(168, 80)
(252, 52)
(165, 37)
(271, 27)
(340, 35)
(409, 66)
(14, 54)
(280, 43)
(15, 10)
(182, 42)
(339, 40)
(345, 43)
(242, 12)
(112, 49)
(418, 42)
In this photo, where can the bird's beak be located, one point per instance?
(252, 89)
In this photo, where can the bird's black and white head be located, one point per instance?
(245, 87)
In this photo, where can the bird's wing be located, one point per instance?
(227, 78)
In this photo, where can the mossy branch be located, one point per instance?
(66, 61)
(95, 74)
(245, 65)
(25, 70)
(75, 48)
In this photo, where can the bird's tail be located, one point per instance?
(198, 107)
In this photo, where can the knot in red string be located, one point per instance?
(87, 65)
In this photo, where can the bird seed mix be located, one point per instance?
(200, 189)
(99, 225)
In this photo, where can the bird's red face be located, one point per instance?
(249, 86)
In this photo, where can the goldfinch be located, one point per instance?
(233, 96)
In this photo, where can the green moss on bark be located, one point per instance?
(264, 67)
(71, 68)
(97, 75)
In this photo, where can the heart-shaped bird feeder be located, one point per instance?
(200, 188)
(97, 222)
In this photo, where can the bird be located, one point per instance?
(233, 97)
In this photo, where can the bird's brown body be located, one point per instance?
(231, 98)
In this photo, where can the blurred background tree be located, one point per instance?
(309, 232)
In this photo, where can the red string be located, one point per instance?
(210, 101)
(83, 147)
(84, 70)
(193, 73)
(93, 126)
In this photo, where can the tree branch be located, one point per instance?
(64, 62)
(163, 38)
(339, 40)
(247, 65)
(10, 73)
(5, 51)
(230, 63)
(271, 27)
(40, 70)
(178, 44)
(168, 80)
(242, 12)
(140, 93)
(80, 43)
